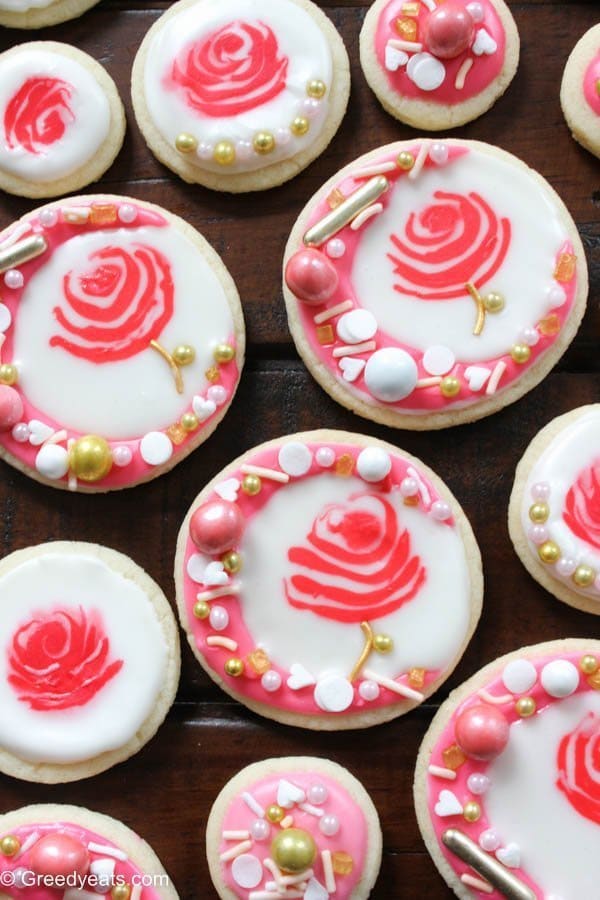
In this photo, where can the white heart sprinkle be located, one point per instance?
(299, 677)
(394, 58)
(351, 367)
(426, 71)
(315, 891)
(195, 568)
(215, 574)
(39, 432)
(510, 856)
(334, 693)
(5, 317)
(295, 458)
(448, 804)
(477, 377)
(228, 490)
(357, 326)
(484, 43)
(288, 794)
(156, 448)
(246, 870)
(203, 409)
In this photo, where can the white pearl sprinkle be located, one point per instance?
(21, 432)
(540, 491)
(219, 618)
(438, 153)
(217, 393)
(127, 213)
(122, 456)
(369, 690)
(204, 150)
(325, 457)
(260, 830)
(489, 840)
(409, 487)
(440, 511)
(478, 783)
(14, 279)
(48, 217)
(311, 107)
(566, 566)
(283, 136)
(476, 10)
(329, 825)
(244, 150)
(556, 296)
(538, 534)
(335, 248)
(271, 681)
(317, 794)
(529, 336)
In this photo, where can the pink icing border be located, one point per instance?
(352, 836)
(485, 69)
(459, 786)
(249, 685)
(56, 235)
(124, 868)
(428, 399)
(590, 81)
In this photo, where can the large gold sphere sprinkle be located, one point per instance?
(405, 160)
(275, 813)
(383, 643)
(121, 892)
(8, 374)
(251, 485)
(493, 302)
(185, 143)
(450, 386)
(263, 142)
(316, 88)
(300, 126)
(584, 576)
(588, 664)
(224, 153)
(539, 512)
(189, 421)
(471, 811)
(184, 355)
(223, 353)
(234, 667)
(520, 353)
(232, 562)
(525, 707)
(293, 850)
(549, 552)
(10, 845)
(90, 458)
(201, 609)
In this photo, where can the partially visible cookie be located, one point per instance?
(239, 95)
(438, 66)
(554, 513)
(580, 91)
(61, 119)
(507, 782)
(295, 826)
(90, 660)
(40, 13)
(49, 847)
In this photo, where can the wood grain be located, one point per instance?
(166, 791)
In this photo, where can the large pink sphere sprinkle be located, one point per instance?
(482, 731)
(216, 526)
(11, 407)
(59, 854)
(449, 30)
(311, 276)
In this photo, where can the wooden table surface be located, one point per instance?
(165, 792)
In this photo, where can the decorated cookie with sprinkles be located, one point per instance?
(346, 614)
(61, 118)
(580, 91)
(293, 827)
(438, 65)
(89, 660)
(507, 783)
(240, 95)
(415, 291)
(554, 514)
(45, 847)
(106, 297)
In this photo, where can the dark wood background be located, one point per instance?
(165, 792)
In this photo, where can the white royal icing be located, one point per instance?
(134, 396)
(86, 115)
(299, 38)
(114, 715)
(428, 631)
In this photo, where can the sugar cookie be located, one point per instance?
(580, 91)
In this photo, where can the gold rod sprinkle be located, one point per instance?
(486, 866)
(173, 365)
(22, 252)
(366, 652)
(480, 308)
(346, 211)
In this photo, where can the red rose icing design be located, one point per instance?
(37, 115)
(455, 240)
(60, 659)
(582, 506)
(118, 306)
(578, 763)
(358, 563)
(233, 70)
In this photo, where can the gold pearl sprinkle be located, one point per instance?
(184, 355)
(493, 302)
(224, 153)
(405, 160)
(450, 386)
(316, 88)
(10, 845)
(520, 353)
(383, 643)
(525, 707)
(549, 552)
(121, 892)
(223, 353)
(201, 609)
(584, 576)
(8, 374)
(539, 512)
(251, 485)
(588, 664)
(300, 126)
(90, 458)
(232, 562)
(263, 142)
(472, 811)
(234, 667)
(189, 421)
(185, 143)
(275, 814)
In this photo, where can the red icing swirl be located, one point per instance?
(233, 70)
(578, 762)
(60, 659)
(357, 564)
(118, 306)
(455, 240)
(582, 506)
(37, 115)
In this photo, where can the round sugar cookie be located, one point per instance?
(333, 847)
(123, 342)
(554, 512)
(438, 66)
(240, 95)
(580, 91)
(54, 844)
(507, 777)
(430, 283)
(61, 119)
(345, 614)
(89, 663)
(31, 14)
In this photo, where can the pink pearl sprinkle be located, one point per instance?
(409, 487)
(219, 618)
(14, 279)
(271, 681)
(21, 432)
(478, 783)
(540, 491)
(48, 217)
(369, 690)
(489, 840)
(122, 456)
(260, 830)
(317, 794)
(529, 336)
(538, 534)
(440, 511)
(335, 248)
(127, 213)
(329, 825)
(217, 393)
(566, 566)
(476, 10)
